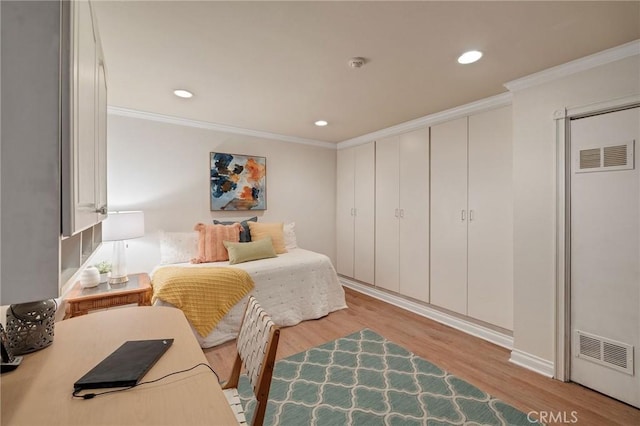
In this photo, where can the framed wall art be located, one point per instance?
(238, 182)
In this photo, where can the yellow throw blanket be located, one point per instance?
(205, 295)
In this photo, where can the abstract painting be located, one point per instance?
(238, 182)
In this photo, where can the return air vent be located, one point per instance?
(590, 158)
(603, 351)
(615, 156)
(606, 158)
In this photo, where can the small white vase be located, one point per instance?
(90, 277)
(104, 277)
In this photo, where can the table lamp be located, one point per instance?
(120, 226)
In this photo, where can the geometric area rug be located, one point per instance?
(364, 379)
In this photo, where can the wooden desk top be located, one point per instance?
(39, 391)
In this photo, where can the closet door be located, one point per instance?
(448, 215)
(364, 210)
(414, 214)
(490, 233)
(605, 253)
(387, 213)
(345, 211)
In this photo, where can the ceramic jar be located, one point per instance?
(90, 277)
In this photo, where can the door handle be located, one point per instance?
(470, 215)
(463, 215)
(397, 213)
(401, 212)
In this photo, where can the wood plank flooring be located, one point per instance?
(481, 363)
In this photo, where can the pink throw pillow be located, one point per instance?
(210, 241)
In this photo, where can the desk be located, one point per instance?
(39, 391)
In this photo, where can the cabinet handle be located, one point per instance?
(102, 210)
(470, 215)
(351, 211)
(401, 212)
(355, 212)
(396, 214)
(463, 215)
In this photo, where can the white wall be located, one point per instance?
(534, 167)
(163, 169)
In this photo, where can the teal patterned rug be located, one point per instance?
(364, 379)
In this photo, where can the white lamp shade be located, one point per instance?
(120, 226)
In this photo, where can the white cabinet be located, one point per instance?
(472, 217)
(53, 138)
(490, 245)
(101, 151)
(84, 164)
(344, 211)
(355, 212)
(387, 253)
(402, 214)
(449, 215)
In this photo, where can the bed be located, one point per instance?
(293, 287)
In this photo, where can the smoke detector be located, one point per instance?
(356, 62)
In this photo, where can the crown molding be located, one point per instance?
(152, 116)
(492, 102)
(583, 64)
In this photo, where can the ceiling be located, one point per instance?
(279, 66)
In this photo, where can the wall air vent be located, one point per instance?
(590, 158)
(615, 156)
(603, 351)
(606, 158)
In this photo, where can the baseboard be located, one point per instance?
(532, 362)
(485, 333)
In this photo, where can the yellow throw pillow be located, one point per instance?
(274, 230)
(254, 250)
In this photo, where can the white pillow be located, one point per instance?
(178, 247)
(289, 231)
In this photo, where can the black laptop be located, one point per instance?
(125, 366)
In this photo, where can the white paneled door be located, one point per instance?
(344, 212)
(605, 253)
(355, 212)
(387, 213)
(490, 221)
(414, 214)
(84, 101)
(449, 215)
(364, 211)
(472, 216)
(402, 214)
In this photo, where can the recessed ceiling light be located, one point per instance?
(183, 93)
(470, 57)
(321, 123)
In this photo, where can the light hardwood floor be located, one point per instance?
(481, 363)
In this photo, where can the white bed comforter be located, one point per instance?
(293, 287)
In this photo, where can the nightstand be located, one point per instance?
(82, 300)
